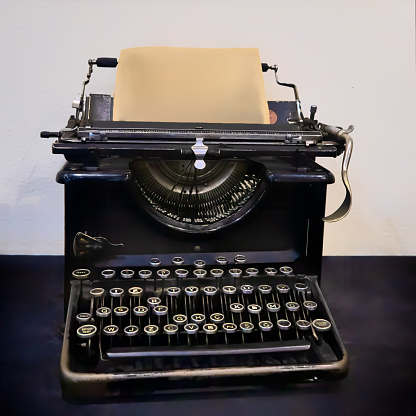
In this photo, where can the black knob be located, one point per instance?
(313, 112)
(48, 134)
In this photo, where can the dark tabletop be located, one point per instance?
(372, 300)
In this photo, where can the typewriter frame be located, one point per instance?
(98, 152)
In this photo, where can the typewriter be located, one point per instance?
(193, 250)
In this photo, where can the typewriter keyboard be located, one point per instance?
(200, 317)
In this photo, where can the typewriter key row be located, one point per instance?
(89, 330)
(199, 272)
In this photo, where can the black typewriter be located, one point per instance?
(193, 251)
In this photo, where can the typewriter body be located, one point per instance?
(193, 251)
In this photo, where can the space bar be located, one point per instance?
(200, 350)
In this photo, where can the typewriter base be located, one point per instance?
(81, 383)
(134, 389)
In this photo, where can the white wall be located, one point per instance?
(354, 59)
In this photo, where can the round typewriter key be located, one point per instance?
(310, 305)
(229, 290)
(145, 274)
(181, 272)
(303, 325)
(127, 273)
(221, 260)
(235, 272)
(170, 329)
(216, 272)
(135, 291)
(191, 290)
(160, 310)
(110, 330)
(273, 307)
(140, 310)
(217, 318)
(321, 325)
(180, 319)
(286, 270)
(121, 311)
(252, 271)
(108, 273)
(240, 258)
(83, 317)
(246, 327)
(173, 291)
(199, 273)
(86, 331)
(80, 274)
(131, 330)
(153, 301)
(229, 328)
(97, 292)
(292, 306)
(151, 330)
(210, 290)
(210, 329)
(199, 264)
(247, 289)
(103, 312)
(198, 318)
(163, 273)
(191, 328)
(301, 287)
(155, 262)
(254, 309)
(178, 261)
(284, 324)
(236, 307)
(116, 292)
(265, 326)
(264, 289)
(281, 288)
(270, 271)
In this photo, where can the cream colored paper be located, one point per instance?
(190, 85)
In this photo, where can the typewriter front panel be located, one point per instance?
(154, 292)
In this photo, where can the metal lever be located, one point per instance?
(345, 207)
(200, 150)
(85, 244)
(78, 103)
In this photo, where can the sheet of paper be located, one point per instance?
(190, 85)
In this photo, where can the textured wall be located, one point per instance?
(355, 60)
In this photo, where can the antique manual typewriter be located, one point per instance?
(193, 250)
